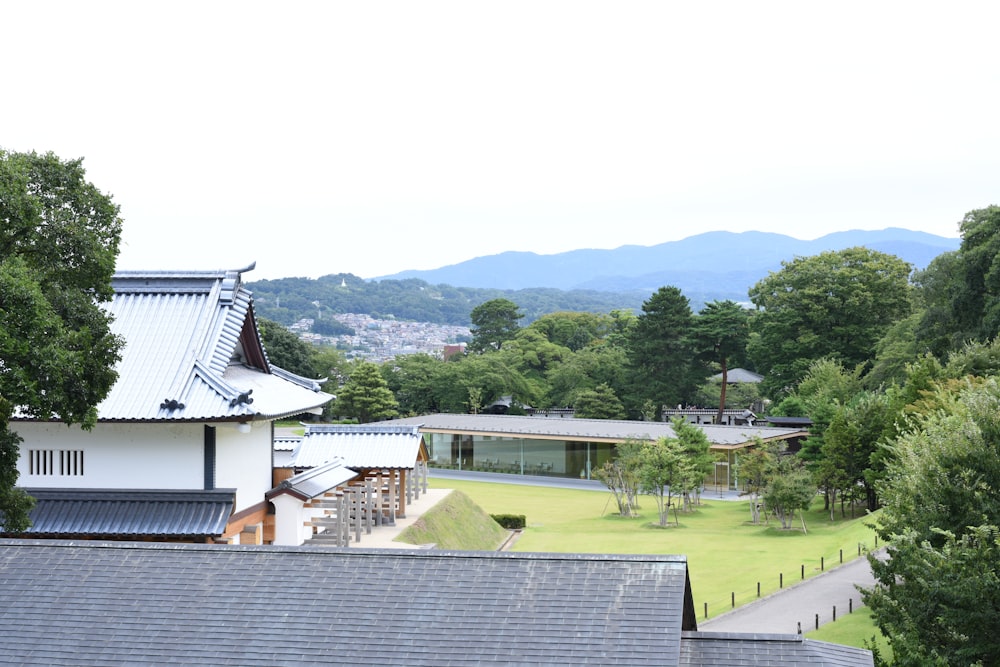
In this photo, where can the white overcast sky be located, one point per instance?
(374, 137)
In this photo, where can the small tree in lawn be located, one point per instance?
(621, 477)
(700, 462)
(663, 468)
(789, 489)
(755, 465)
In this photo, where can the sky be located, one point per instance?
(370, 138)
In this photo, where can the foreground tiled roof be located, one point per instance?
(728, 649)
(130, 514)
(359, 446)
(109, 604)
(192, 352)
(593, 430)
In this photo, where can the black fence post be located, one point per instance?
(817, 621)
(802, 568)
(822, 563)
(758, 589)
(781, 580)
(841, 555)
(835, 612)
(706, 610)
(850, 606)
(732, 597)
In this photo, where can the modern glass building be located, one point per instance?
(567, 447)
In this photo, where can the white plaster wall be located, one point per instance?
(119, 456)
(243, 462)
(289, 520)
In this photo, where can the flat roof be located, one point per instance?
(591, 430)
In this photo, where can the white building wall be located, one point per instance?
(243, 462)
(115, 456)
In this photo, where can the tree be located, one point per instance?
(494, 323)
(366, 396)
(59, 238)
(850, 449)
(720, 335)
(621, 475)
(598, 403)
(701, 463)
(789, 489)
(835, 305)
(660, 355)
(937, 595)
(663, 469)
(286, 350)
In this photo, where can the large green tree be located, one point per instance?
(59, 238)
(836, 304)
(719, 336)
(660, 353)
(494, 322)
(937, 595)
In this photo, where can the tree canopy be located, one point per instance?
(59, 238)
(660, 352)
(494, 323)
(836, 304)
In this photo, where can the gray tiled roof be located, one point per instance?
(131, 514)
(183, 332)
(727, 649)
(359, 446)
(92, 603)
(594, 430)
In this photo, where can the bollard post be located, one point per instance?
(781, 580)
(732, 597)
(758, 589)
(850, 606)
(835, 612)
(706, 610)
(817, 621)
(841, 555)
(822, 563)
(876, 540)
(802, 568)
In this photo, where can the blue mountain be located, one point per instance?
(710, 265)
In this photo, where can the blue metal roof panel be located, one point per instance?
(130, 513)
(360, 446)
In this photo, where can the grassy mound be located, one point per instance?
(456, 523)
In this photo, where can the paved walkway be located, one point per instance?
(796, 607)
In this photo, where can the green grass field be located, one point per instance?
(726, 554)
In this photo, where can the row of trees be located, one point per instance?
(897, 371)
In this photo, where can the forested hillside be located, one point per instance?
(288, 300)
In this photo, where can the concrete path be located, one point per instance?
(784, 611)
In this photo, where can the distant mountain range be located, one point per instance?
(711, 265)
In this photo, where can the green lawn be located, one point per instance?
(855, 629)
(726, 554)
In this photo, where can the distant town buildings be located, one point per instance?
(380, 340)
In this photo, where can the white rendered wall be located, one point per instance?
(289, 520)
(243, 462)
(118, 456)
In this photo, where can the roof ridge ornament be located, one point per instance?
(171, 404)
